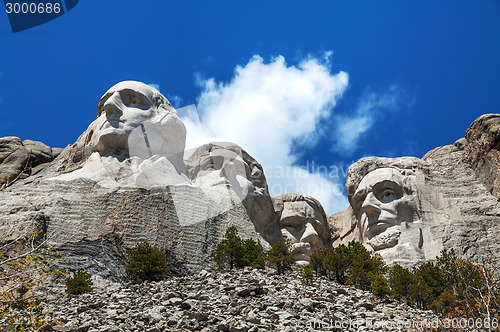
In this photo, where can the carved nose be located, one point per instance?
(229, 171)
(310, 235)
(370, 205)
(111, 106)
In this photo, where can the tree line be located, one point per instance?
(451, 286)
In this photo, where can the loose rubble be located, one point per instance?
(246, 300)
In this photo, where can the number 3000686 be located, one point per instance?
(32, 8)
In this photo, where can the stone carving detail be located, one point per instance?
(125, 180)
(408, 209)
(226, 170)
(303, 222)
(389, 198)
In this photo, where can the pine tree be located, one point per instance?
(230, 251)
(279, 256)
(380, 286)
(362, 265)
(307, 275)
(400, 280)
(79, 283)
(253, 255)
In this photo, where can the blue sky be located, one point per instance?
(320, 83)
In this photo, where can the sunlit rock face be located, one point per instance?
(125, 181)
(137, 140)
(389, 198)
(482, 149)
(220, 168)
(303, 222)
(408, 209)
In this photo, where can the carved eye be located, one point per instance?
(388, 195)
(133, 101)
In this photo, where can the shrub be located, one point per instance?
(26, 264)
(146, 262)
(79, 283)
(476, 288)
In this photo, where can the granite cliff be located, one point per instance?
(125, 181)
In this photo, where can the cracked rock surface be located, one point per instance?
(244, 300)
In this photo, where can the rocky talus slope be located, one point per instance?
(246, 300)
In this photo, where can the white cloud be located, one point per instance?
(268, 107)
(175, 100)
(154, 85)
(349, 129)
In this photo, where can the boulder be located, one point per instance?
(13, 158)
(18, 159)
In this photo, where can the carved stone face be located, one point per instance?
(304, 228)
(382, 203)
(224, 168)
(123, 109)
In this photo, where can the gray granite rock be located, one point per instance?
(408, 209)
(286, 305)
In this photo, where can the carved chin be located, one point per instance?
(387, 239)
(301, 251)
(112, 145)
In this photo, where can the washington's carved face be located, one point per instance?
(382, 202)
(124, 108)
(304, 230)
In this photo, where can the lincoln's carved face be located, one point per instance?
(382, 202)
(127, 106)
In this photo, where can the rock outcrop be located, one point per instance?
(20, 159)
(482, 146)
(93, 225)
(408, 209)
(125, 181)
(249, 300)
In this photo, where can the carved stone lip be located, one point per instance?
(301, 250)
(380, 223)
(378, 227)
(110, 120)
(301, 256)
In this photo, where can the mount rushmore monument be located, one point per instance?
(126, 180)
